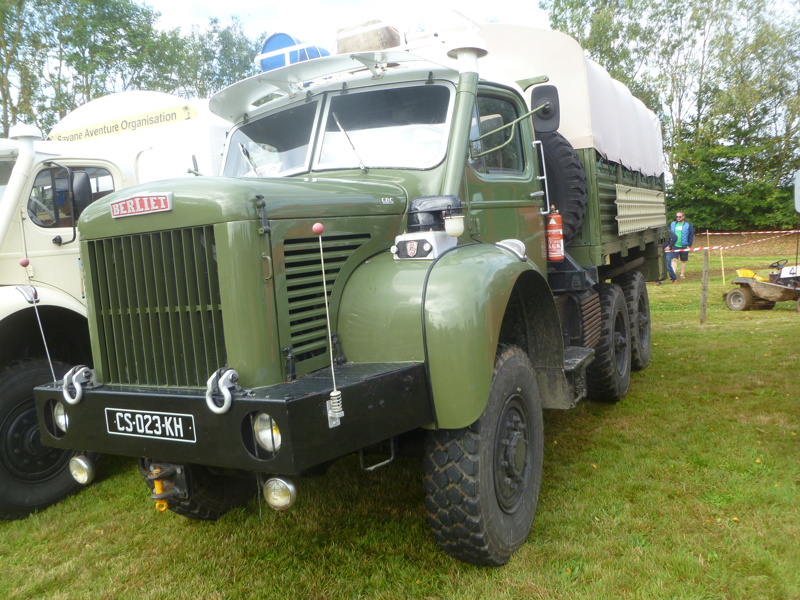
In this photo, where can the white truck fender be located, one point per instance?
(14, 299)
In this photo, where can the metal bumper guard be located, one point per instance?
(380, 400)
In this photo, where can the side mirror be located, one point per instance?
(81, 192)
(548, 118)
(77, 188)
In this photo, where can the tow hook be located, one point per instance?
(168, 482)
(74, 381)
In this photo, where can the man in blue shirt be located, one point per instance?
(668, 257)
(683, 240)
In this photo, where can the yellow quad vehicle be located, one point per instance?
(756, 292)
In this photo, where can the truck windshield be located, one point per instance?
(396, 127)
(6, 166)
(274, 145)
(400, 127)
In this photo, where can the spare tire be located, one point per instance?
(566, 181)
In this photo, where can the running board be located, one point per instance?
(562, 387)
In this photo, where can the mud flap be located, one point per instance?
(563, 388)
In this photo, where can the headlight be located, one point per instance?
(267, 433)
(82, 469)
(60, 417)
(280, 494)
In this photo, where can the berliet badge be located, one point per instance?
(411, 248)
(141, 205)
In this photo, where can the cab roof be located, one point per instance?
(238, 100)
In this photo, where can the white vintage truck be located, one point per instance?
(108, 144)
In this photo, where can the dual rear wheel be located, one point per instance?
(637, 301)
(609, 375)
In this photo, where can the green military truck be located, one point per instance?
(371, 270)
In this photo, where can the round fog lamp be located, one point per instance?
(81, 469)
(279, 493)
(60, 417)
(267, 433)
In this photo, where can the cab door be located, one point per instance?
(49, 224)
(503, 190)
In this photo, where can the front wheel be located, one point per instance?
(482, 482)
(740, 298)
(32, 476)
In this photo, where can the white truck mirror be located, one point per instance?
(797, 191)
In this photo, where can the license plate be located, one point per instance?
(151, 424)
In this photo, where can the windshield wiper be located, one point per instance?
(245, 152)
(361, 164)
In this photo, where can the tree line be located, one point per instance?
(723, 76)
(56, 55)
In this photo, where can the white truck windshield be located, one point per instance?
(6, 166)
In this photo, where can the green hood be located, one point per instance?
(208, 200)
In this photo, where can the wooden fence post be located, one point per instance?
(704, 289)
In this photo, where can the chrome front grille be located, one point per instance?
(157, 303)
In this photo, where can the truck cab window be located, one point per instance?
(501, 156)
(49, 204)
(397, 128)
(274, 145)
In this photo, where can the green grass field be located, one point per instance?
(689, 488)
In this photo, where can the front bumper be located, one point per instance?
(379, 401)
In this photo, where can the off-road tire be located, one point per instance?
(211, 495)
(566, 181)
(637, 301)
(609, 375)
(32, 476)
(482, 482)
(740, 298)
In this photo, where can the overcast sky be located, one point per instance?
(316, 21)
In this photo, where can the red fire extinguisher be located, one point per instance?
(555, 237)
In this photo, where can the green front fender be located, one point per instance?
(465, 294)
(466, 297)
(379, 314)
